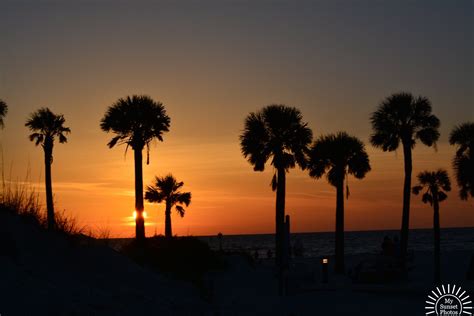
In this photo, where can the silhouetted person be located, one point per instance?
(219, 237)
(337, 156)
(167, 189)
(269, 253)
(136, 121)
(387, 246)
(276, 133)
(298, 248)
(403, 118)
(396, 246)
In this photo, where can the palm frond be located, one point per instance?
(402, 117)
(338, 154)
(278, 132)
(136, 121)
(46, 126)
(167, 189)
(462, 136)
(3, 112)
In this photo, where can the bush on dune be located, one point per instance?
(186, 258)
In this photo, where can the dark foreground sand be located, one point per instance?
(41, 274)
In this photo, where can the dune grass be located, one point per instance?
(20, 198)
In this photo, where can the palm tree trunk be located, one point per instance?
(140, 220)
(280, 214)
(48, 154)
(406, 201)
(339, 265)
(437, 240)
(168, 232)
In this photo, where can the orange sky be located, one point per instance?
(211, 65)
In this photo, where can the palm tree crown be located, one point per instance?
(463, 137)
(136, 121)
(402, 117)
(276, 132)
(3, 111)
(337, 155)
(46, 126)
(436, 184)
(168, 189)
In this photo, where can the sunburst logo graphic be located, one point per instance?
(450, 301)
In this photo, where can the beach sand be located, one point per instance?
(43, 274)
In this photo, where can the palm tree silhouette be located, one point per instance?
(276, 132)
(337, 156)
(136, 121)
(463, 163)
(3, 112)
(403, 118)
(436, 184)
(46, 126)
(168, 189)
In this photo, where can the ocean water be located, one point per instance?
(322, 244)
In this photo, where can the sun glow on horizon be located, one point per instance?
(145, 215)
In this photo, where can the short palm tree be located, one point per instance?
(462, 136)
(136, 121)
(167, 189)
(337, 156)
(436, 184)
(3, 111)
(402, 118)
(278, 133)
(46, 126)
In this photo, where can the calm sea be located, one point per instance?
(322, 244)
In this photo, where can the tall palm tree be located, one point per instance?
(337, 156)
(167, 189)
(402, 118)
(46, 126)
(436, 184)
(136, 121)
(276, 132)
(463, 137)
(3, 111)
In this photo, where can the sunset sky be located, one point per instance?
(211, 63)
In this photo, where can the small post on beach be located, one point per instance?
(285, 262)
(324, 270)
(219, 237)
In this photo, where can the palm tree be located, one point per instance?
(276, 132)
(403, 118)
(337, 156)
(168, 189)
(436, 184)
(463, 137)
(3, 111)
(136, 121)
(46, 126)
